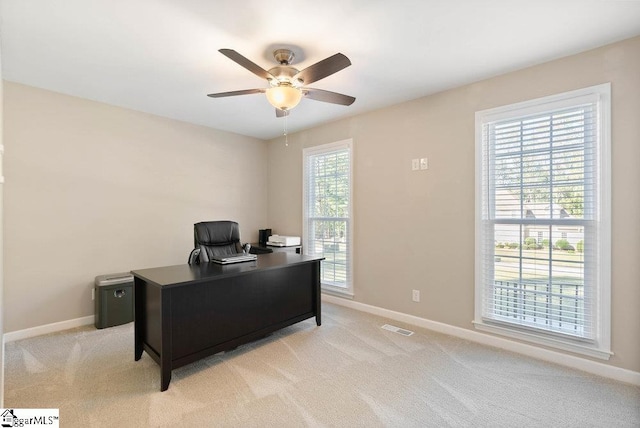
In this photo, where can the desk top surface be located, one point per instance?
(179, 274)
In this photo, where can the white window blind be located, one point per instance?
(327, 212)
(542, 220)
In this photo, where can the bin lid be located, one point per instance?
(114, 278)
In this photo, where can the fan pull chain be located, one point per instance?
(286, 137)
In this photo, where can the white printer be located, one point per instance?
(283, 241)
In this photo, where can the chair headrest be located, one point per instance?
(215, 233)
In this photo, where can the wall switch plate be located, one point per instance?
(424, 163)
(415, 164)
(416, 295)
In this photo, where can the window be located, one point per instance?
(543, 221)
(327, 222)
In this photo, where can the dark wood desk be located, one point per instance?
(184, 313)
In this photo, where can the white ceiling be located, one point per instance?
(161, 56)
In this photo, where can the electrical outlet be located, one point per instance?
(415, 164)
(93, 294)
(416, 295)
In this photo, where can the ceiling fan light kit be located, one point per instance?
(284, 97)
(287, 83)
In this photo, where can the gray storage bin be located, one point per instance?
(114, 299)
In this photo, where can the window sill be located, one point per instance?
(539, 339)
(335, 291)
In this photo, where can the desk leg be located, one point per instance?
(138, 316)
(165, 378)
(138, 352)
(166, 354)
(316, 275)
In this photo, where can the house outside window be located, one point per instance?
(327, 213)
(543, 221)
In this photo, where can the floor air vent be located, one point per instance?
(398, 330)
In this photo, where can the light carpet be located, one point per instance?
(347, 373)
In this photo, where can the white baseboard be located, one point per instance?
(47, 328)
(589, 366)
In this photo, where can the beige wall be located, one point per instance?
(93, 189)
(415, 230)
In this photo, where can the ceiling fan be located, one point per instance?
(287, 84)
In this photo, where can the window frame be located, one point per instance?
(600, 347)
(347, 144)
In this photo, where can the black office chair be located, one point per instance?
(215, 238)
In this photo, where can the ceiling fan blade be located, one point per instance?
(322, 69)
(246, 63)
(328, 96)
(234, 93)
(282, 113)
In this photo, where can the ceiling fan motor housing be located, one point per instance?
(284, 75)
